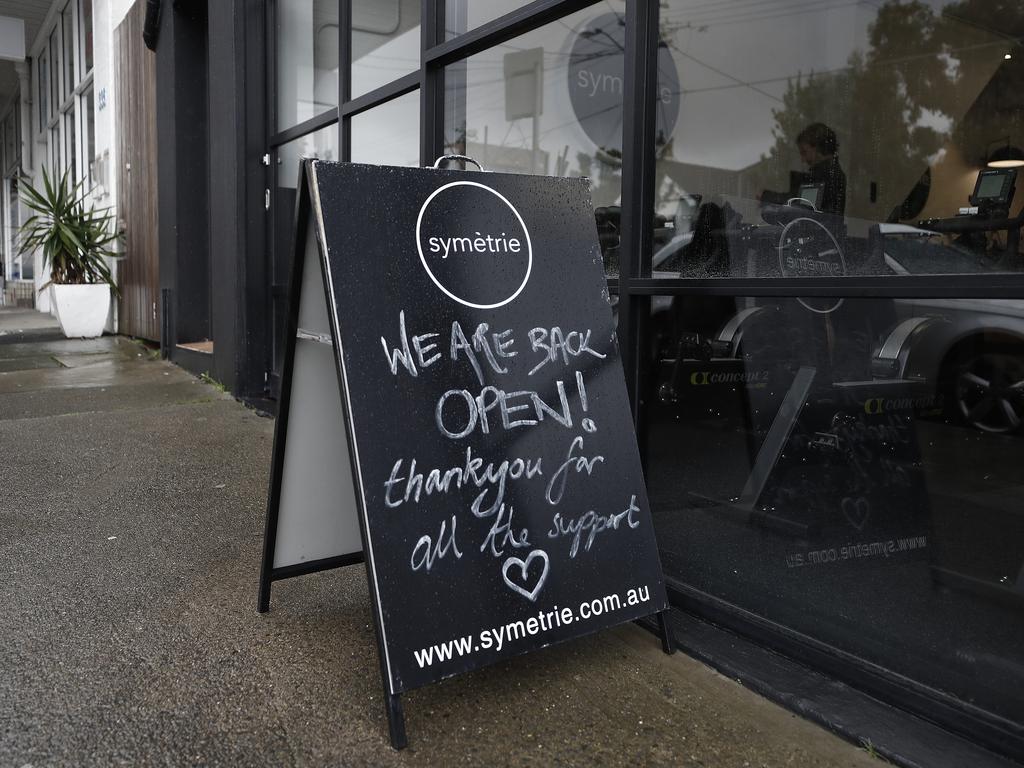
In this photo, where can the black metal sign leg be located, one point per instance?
(396, 720)
(263, 603)
(668, 638)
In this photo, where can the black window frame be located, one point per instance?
(634, 287)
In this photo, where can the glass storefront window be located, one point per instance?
(549, 102)
(307, 59)
(85, 36)
(53, 148)
(12, 147)
(70, 146)
(849, 469)
(833, 140)
(385, 42)
(89, 113)
(322, 144)
(13, 222)
(69, 49)
(388, 134)
(55, 70)
(463, 15)
(44, 89)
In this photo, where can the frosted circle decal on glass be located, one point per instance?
(474, 245)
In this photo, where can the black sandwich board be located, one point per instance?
(453, 407)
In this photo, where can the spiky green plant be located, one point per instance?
(76, 240)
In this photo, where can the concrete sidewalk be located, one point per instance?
(131, 510)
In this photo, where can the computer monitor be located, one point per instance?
(994, 188)
(812, 194)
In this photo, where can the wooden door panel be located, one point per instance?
(135, 114)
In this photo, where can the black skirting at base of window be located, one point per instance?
(895, 735)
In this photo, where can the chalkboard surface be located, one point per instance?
(502, 502)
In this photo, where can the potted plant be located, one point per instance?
(76, 241)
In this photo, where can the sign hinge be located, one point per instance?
(320, 338)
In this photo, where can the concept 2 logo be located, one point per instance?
(702, 378)
(876, 405)
(474, 245)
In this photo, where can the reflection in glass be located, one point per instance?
(90, 134)
(875, 122)
(55, 71)
(385, 42)
(549, 102)
(388, 134)
(44, 88)
(849, 469)
(463, 15)
(307, 59)
(70, 144)
(69, 50)
(322, 144)
(85, 39)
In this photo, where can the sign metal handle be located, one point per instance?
(463, 158)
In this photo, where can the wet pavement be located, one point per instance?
(131, 520)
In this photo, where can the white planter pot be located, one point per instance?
(81, 309)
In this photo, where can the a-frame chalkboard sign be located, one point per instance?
(453, 410)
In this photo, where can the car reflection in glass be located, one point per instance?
(969, 352)
(973, 349)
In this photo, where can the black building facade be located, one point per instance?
(810, 223)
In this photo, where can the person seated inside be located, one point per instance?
(819, 151)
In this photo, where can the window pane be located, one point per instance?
(55, 71)
(12, 225)
(850, 469)
(857, 129)
(53, 150)
(12, 148)
(69, 51)
(322, 144)
(85, 41)
(385, 42)
(463, 15)
(508, 109)
(90, 135)
(388, 134)
(307, 60)
(70, 154)
(44, 89)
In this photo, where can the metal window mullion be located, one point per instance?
(399, 87)
(1006, 285)
(322, 120)
(431, 82)
(513, 24)
(344, 80)
(641, 72)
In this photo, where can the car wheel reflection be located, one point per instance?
(989, 392)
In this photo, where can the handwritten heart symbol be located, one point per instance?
(856, 512)
(524, 567)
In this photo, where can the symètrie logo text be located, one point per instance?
(478, 244)
(474, 244)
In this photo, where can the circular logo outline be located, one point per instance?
(433, 277)
(842, 261)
